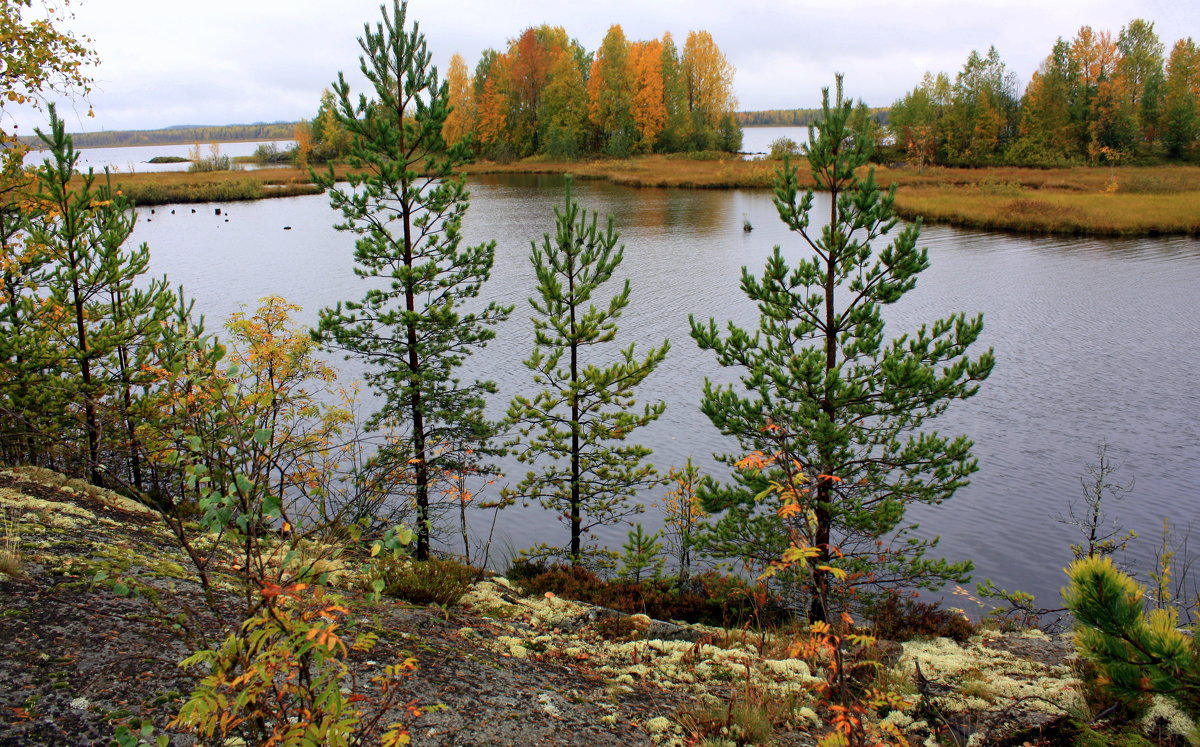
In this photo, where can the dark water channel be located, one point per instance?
(1096, 340)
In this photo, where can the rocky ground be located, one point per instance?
(504, 669)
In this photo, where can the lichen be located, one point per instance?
(1164, 716)
(1047, 688)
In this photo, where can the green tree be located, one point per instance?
(1182, 101)
(1140, 70)
(610, 94)
(96, 319)
(329, 139)
(918, 120)
(576, 429)
(405, 204)
(1049, 132)
(983, 108)
(825, 391)
(563, 114)
(675, 135)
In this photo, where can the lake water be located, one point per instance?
(1096, 340)
(756, 141)
(133, 159)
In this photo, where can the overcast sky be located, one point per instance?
(166, 62)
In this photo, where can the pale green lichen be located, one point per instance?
(513, 646)
(1164, 716)
(665, 733)
(1051, 689)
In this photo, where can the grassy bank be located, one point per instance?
(1054, 212)
(213, 186)
(1124, 201)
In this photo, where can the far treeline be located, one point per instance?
(1094, 99)
(795, 117)
(178, 135)
(546, 95)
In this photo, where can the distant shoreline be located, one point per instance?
(1079, 201)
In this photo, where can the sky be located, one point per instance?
(170, 62)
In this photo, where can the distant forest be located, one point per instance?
(795, 117)
(178, 135)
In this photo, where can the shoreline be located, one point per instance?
(1127, 201)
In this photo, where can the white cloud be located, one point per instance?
(264, 60)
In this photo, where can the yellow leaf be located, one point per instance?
(838, 573)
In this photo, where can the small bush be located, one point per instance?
(783, 147)
(899, 619)
(421, 581)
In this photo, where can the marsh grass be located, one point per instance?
(1057, 212)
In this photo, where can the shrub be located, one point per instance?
(432, 581)
(783, 147)
(902, 619)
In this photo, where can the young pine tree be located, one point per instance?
(405, 204)
(1138, 653)
(825, 393)
(575, 430)
(101, 325)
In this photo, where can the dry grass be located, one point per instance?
(648, 171)
(1055, 211)
(10, 548)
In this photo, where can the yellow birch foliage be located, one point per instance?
(1096, 54)
(709, 79)
(461, 120)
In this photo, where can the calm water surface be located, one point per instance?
(133, 158)
(1096, 340)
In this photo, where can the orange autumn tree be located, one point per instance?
(492, 100)
(530, 55)
(545, 94)
(649, 103)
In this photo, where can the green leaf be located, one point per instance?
(263, 436)
(244, 485)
